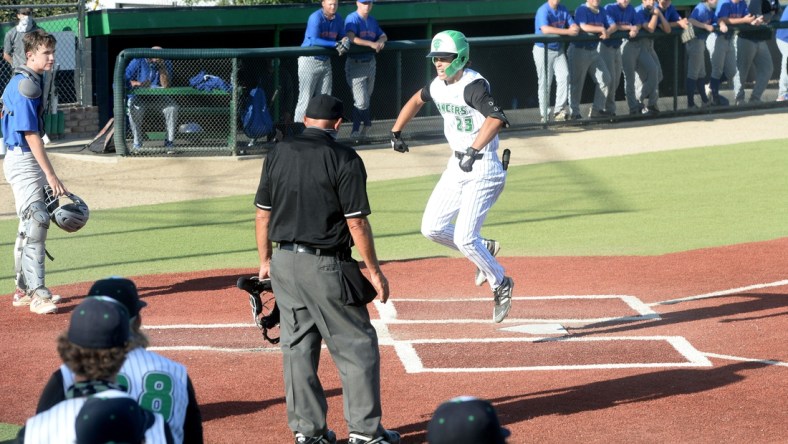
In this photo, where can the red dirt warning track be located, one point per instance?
(628, 369)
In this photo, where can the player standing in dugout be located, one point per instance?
(474, 175)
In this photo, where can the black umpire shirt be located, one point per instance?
(311, 184)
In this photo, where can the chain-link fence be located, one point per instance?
(65, 84)
(210, 92)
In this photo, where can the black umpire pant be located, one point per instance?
(308, 292)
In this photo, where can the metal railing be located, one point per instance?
(209, 122)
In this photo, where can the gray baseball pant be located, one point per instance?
(722, 53)
(635, 58)
(611, 57)
(556, 67)
(647, 81)
(783, 46)
(749, 52)
(314, 77)
(137, 106)
(584, 61)
(308, 292)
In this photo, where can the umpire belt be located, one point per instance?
(299, 248)
(460, 155)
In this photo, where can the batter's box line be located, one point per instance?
(413, 364)
(388, 311)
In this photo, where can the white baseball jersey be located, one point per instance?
(57, 425)
(461, 122)
(157, 383)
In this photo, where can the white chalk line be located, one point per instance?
(722, 293)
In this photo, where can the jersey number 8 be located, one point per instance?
(156, 394)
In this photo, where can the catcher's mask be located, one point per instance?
(265, 312)
(71, 216)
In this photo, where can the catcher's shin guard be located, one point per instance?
(36, 225)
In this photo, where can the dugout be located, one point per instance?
(113, 30)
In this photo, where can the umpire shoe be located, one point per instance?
(329, 438)
(493, 247)
(387, 437)
(502, 295)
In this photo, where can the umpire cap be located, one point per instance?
(122, 290)
(466, 420)
(107, 420)
(325, 107)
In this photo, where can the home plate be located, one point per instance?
(537, 329)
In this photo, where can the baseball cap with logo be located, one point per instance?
(466, 420)
(325, 107)
(122, 290)
(99, 322)
(112, 420)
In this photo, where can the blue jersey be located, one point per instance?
(20, 114)
(584, 16)
(728, 9)
(557, 18)
(705, 15)
(321, 31)
(671, 15)
(626, 16)
(366, 29)
(140, 70)
(782, 33)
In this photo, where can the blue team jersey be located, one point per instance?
(705, 15)
(366, 29)
(728, 9)
(782, 33)
(20, 114)
(626, 16)
(671, 15)
(584, 16)
(141, 70)
(321, 31)
(557, 18)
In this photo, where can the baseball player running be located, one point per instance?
(474, 176)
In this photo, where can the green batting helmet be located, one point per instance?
(451, 43)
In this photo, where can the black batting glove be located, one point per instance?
(397, 143)
(466, 162)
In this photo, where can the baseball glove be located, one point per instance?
(343, 46)
(688, 34)
(265, 312)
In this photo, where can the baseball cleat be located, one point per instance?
(329, 438)
(22, 299)
(388, 437)
(502, 295)
(493, 247)
(39, 305)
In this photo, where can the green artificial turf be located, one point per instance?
(642, 204)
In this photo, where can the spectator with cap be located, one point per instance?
(93, 348)
(312, 201)
(466, 420)
(181, 410)
(112, 420)
(13, 45)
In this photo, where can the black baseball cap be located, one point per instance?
(325, 107)
(99, 322)
(122, 290)
(466, 420)
(112, 420)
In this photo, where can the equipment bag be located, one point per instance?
(257, 121)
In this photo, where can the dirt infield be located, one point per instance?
(686, 347)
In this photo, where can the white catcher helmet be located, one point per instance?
(71, 216)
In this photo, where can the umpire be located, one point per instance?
(312, 201)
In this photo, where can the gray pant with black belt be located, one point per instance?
(308, 292)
